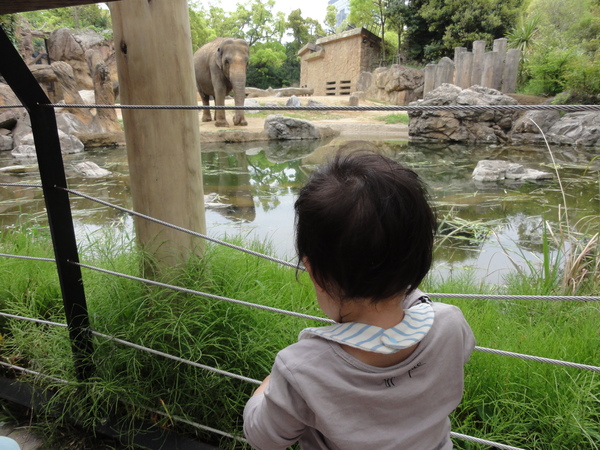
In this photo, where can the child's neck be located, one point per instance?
(384, 314)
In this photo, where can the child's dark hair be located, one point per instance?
(365, 225)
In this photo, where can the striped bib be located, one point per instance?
(414, 327)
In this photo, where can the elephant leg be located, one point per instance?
(220, 119)
(205, 112)
(239, 119)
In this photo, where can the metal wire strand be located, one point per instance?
(184, 230)
(205, 294)
(538, 359)
(409, 108)
(483, 441)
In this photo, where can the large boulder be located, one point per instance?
(283, 128)
(577, 128)
(26, 147)
(466, 126)
(397, 84)
(70, 46)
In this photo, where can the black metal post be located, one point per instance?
(52, 172)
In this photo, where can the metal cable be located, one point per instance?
(32, 258)
(29, 319)
(223, 433)
(205, 294)
(539, 359)
(483, 441)
(254, 381)
(573, 298)
(414, 108)
(175, 358)
(21, 185)
(32, 372)
(184, 230)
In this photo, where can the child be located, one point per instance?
(391, 371)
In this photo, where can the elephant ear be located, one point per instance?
(219, 58)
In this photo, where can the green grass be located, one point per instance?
(521, 403)
(392, 119)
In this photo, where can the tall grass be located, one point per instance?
(521, 403)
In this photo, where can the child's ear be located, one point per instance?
(306, 263)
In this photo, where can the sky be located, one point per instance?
(315, 9)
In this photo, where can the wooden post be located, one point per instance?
(154, 62)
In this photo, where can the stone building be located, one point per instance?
(333, 64)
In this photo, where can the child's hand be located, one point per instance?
(263, 386)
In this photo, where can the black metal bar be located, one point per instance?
(52, 172)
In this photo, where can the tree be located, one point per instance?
(460, 23)
(75, 17)
(566, 51)
(414, 35)
(331, 19)
(367, 12)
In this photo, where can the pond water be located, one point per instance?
(494, 225)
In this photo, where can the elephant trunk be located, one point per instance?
(237, 78)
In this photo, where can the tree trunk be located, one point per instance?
(154, 62)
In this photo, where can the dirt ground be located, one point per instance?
(346, 122)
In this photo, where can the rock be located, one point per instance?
(91, 170)
(466, 126)
(251, 103)
(577, 128)
(544, 119)
(20, 169)
(102, 140)
(26, 147)
(293, 101)
(283, 128)
(353, 101)
(69, 123)
(495, 170)
(8, 119)
(6, 143)
(88, 97)
(397, 84)
(70, 46)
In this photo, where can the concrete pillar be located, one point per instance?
(429, 78)
(500, 46)
(489, 66)
(457, 51)
(464, 67)
(444, 72)
(478, 56)
(511, 70)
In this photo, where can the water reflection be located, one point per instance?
(256, 184)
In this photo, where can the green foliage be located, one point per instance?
(548, 72)
(565, 49)
(199, 28)
(8, 22)
(331, 19)
(75, 17)
(522, 403)
(457, 23)
(370, 14)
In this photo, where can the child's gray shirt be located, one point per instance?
(324, 398)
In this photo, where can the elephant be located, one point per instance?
(220, 67)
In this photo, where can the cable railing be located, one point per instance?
(275, 310)
(415, 108)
